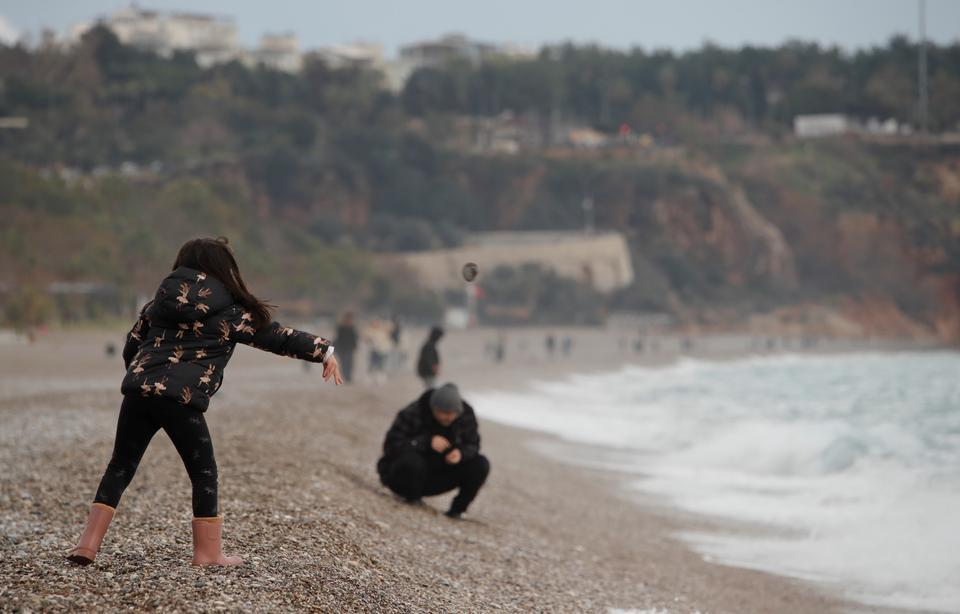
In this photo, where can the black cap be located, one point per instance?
(446, 398)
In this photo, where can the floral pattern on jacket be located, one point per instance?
(184, 338)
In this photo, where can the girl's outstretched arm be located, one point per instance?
(291, 342)
(286, 341)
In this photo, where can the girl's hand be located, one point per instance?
(332, 368)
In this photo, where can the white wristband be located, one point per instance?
(328, 354)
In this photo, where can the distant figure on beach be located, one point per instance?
(551, 344)
(433, 447)
(428, 363)
(567, 346)
(378, 339)
(346, 341)
(175, 356)
(397, 357)
(396, 332)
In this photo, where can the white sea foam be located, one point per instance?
(853, 461)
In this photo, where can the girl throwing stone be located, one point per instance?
(175, 356)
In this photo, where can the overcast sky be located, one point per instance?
(675, 24)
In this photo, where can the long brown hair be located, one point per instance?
(214, 257)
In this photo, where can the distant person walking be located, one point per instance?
(432, 447)
(175, 357)
(428, 363)
(500, 349)
(397, 356)
(396, 332)
(346, 341)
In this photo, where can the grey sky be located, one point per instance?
(676, 24)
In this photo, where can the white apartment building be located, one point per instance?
(457, 47)
(823, 124)
(213, 39)
(279, 52)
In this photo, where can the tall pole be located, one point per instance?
(587, 205)
(922, 68)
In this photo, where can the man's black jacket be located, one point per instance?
(414, 427)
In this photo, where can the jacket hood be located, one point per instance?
(188, 295)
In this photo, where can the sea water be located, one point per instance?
(845, 467)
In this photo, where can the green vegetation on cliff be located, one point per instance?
(127, 154)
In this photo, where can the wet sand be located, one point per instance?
(302, 502)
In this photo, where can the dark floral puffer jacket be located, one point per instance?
(184, 338)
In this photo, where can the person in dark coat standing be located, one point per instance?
(345, 341)
(433, 447)
(428, 364)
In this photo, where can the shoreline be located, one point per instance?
(602, 460)
(302, 501)
(686, 521)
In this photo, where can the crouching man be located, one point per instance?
(433, 447)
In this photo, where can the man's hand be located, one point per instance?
(332, 368)
(439, 443)
(453, 457)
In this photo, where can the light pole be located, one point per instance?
(587, 205)
(922, 67)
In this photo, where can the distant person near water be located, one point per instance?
(396, 332)
(499, 349)
(346, 341)
(433, 447)
(428, 364)
(397, 356)
(175, 356)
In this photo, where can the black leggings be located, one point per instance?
(140, 419)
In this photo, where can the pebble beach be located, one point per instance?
(302, 503)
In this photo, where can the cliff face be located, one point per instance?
(855, 238)
(874, 230)
(725, 228)
(830, 237)
(947, 319)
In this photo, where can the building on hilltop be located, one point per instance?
(457, 47)
(279, 52)
(837, 124)
(212, 39)
(601, 260)
(366, 56)
(358, 54)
